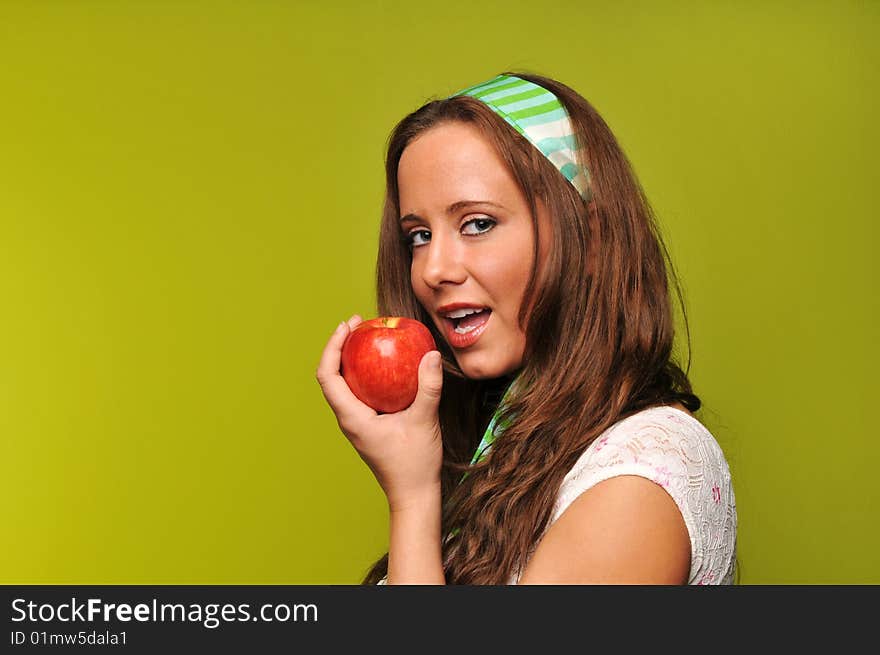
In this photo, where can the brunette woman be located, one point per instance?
(554, 438)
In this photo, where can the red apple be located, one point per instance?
(380, 361)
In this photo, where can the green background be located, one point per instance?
(189, 201)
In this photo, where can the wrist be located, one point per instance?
(415, 548)
(423, 499)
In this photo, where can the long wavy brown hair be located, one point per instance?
(599, 337)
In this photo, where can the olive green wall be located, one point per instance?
(189, 197)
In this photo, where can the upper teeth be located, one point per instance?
(461, 313)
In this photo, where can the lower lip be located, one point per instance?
(457, 340)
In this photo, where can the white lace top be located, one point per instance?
(673, 449)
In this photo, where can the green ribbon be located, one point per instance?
(496, 426)
(537, 114)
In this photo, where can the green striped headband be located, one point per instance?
(539, 116)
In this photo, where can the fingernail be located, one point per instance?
(438, 361)
(340, 326)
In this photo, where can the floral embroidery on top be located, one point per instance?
(663, 476)
(707, 578)
(676, 451)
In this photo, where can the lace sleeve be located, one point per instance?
(674, 450)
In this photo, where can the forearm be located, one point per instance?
(414, 553)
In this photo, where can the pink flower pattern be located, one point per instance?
(663, 476)
(707, 578)
(680, 455)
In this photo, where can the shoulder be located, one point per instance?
(662, 471)
(668, 446)
(625, 530)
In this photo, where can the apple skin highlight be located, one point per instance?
(380, 361)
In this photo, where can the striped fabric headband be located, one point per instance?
(539, 116)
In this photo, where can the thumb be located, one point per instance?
(430, 385)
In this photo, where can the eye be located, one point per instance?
(478, 226)
(418, 238)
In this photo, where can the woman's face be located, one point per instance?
(471, 237)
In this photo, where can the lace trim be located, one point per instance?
(673, 449)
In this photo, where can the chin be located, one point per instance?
(481, 367)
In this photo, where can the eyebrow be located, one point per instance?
(453, 208)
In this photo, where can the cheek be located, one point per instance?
(413, 276)
(417, 283)
(510, 276)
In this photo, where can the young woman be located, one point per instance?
(553, 437)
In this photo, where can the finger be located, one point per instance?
(331, 357)
(354, 321)
(344, 403)
(430, 386)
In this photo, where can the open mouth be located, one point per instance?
(464, 321)
(464, 327)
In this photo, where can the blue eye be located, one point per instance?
(418, 238)
(480, 225)
(473, 227)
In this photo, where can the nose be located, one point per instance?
(443, 261)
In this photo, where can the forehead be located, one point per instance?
(450, 162)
